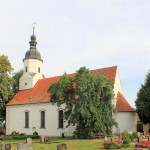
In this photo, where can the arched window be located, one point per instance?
(42, 119)
(26, 119)
(60, 119)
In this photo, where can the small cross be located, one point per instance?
(34, 27)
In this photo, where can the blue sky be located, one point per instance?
(75, 33)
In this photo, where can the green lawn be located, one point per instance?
(94, 144)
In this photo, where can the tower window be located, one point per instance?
(42, 119)
(26, 119)
(26, 69)
(60, 119)
(39, 70)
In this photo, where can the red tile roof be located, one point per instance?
(122, 104)
(39, 94)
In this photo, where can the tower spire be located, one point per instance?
(34, 27)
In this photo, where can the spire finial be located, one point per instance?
(34, 27)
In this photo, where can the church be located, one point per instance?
(31, 110)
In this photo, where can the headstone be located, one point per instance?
(42, 139)
(21, 146)
(61, 147)
(105, 139)
(29, 141)
(140, 139)
(6, 147)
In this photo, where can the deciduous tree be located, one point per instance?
(16, 76)
(88, 102)
(6, 83)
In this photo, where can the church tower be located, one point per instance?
(32, 70)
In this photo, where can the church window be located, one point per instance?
(60, 119)
(26, 69)
(39, 70)
(42, 119)
(26, 119)
(25, 83)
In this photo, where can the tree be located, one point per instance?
(143, 101)
(16, 76)
(6, 84)
(88, 102)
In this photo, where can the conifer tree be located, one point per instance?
(143, 101)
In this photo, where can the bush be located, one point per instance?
(2, 131)
(135, 135)
(127, 141)
(113, 146)
(124, 145)
(35, 133)
(131, 137)
(125, 134)
(7, 137)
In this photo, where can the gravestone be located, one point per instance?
(105, 139)
(6, 147)
(42, 139)
(61, 147)
(140, 139)
(21, 146)
(29, 141)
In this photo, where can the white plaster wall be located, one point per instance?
(126, 121)
(16, 120)
(33, 65)
(117, 84)
(27, 81)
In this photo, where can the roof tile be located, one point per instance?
(39, 94)
(122, 104)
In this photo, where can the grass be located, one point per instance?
(72, 144)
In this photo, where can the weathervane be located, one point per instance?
(34, 27)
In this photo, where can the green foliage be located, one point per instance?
(125, 134)
(127, 141)
(131, 137)
(113, 146)
(35, 133)
(2, 131)
(23, 136)
(6, 84)
(143, 101)
(16, 77)
(135, 135)
(88, 98)
(125, 146)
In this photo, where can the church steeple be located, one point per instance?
(32, 66)
(33, 53)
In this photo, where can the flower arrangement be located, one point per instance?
(113, 145)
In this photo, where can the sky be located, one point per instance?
(75, 33)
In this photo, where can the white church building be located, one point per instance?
(31, 109)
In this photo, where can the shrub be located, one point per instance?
(113, 146)
(2, 131)
(127, 141)
(35, 133)
(135, 135)
(125, 134)
(131, 137)
(124, 145)
(7, 137)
